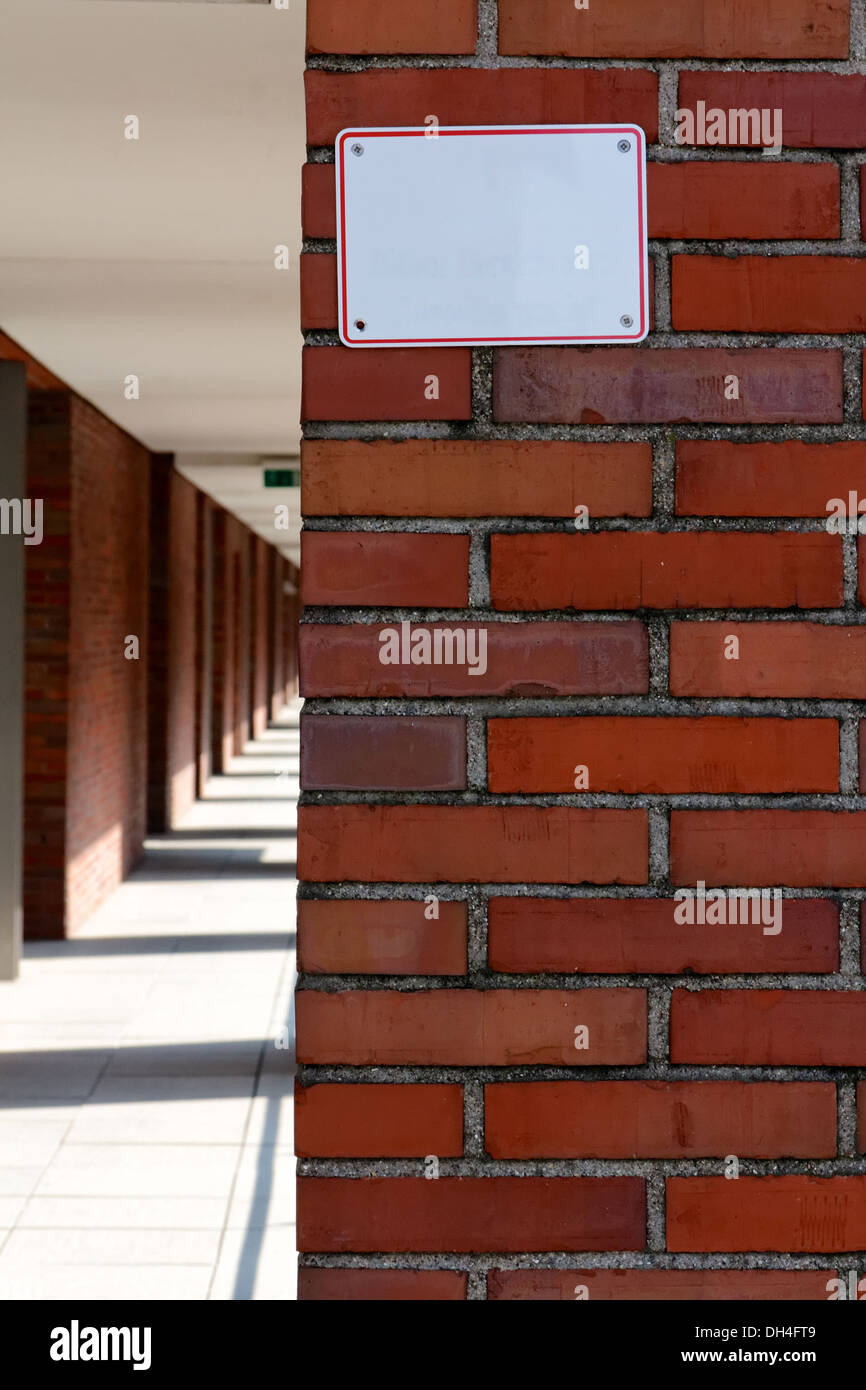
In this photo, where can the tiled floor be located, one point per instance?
(145, 1109)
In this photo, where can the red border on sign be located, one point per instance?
(496, 130)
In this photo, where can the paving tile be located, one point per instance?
(145, 1112)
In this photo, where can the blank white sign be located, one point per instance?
(503, 234)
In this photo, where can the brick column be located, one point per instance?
(528, 748)
(172, 647)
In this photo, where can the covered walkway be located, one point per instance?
(145, 1106)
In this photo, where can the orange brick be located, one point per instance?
(800, 849)
(700, 29)
(378, 1121)
(358, 936)
(693, 198)
(660, 1119)
(774, 1213)
(656, 1285)
(389, 568)
(471, 478)
(391, 26)
(471, 844)
(461, 1027)
(632, 754)
(769, 294)
(665, 570)
(773, 659)
(616, 935)
(471, 1214)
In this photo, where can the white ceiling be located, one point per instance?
(156, 256)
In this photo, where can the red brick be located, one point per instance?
(716, 477)
(396, 26)
(596, 386)
(471, 1214)
(376, 752)
(769, 1027)
(318, 291)
(749, 201)
(775, 659)
(378, 1121)
(824, 1215)
(656, 1285)
(471, 844)
(342, 383)
(769, 294)
(632, 754)
(820, 110)
(470, 478)
(319, 200)
(863, 201)
(522, 659)
(464, 1028)
(797, 849)
(381, 1285)
(686, 569)
(478, 96)
(381, 937)
(660, 1119)
(384, 569)
(613, 935)
(700, 29)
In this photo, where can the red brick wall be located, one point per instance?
(107, 768)
(611, 656)
(85, 724)
(47, 658)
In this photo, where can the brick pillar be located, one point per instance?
(241, 563)
(87, 615)
(669, 699)
(223, 667)
(172, 648)
(205, 511)
(258, 685)
(278, 636)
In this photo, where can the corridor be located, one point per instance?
(145, 1104)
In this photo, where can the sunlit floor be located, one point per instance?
(145, 1080)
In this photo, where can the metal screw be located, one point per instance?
(624, 146)
(626, 320)
(360, 325)
(357, 149)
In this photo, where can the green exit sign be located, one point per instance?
(282, 477)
